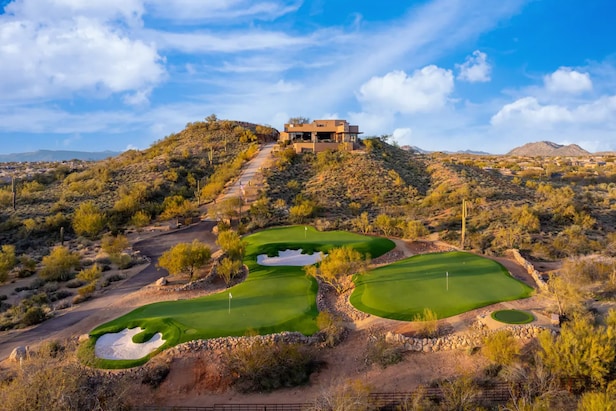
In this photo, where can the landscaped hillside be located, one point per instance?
(131, 189)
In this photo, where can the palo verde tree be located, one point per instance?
(89, 220)
(7, 261)
(185, 258)
(231, 243)
(338, 268)
(59, 264)
(582, 351)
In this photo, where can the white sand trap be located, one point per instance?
(120, 346)
(290, 257)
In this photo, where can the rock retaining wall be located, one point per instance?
(541, 284)
(233, 342)
(460, 341)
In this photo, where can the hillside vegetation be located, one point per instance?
(550, 208)
(167, 180)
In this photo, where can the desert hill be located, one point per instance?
(162, 180)
(548, 149)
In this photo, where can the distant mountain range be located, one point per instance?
(548, 149)
(422, 151)
(56, 155)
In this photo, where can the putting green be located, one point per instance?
(402, 290)
(271, 299)
(513, 316)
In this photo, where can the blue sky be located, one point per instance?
(438, 74)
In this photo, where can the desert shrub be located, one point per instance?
(91, 274)
(7, 261)
(53, 380)
(140, 219)
(33, 315)
(59, 264)
(460, 394)
(338, 268)
(114, 245)
(265, 365)
(28, 266)
(74, 283)
(185, 258)
(88, 220)
(228, 269)
(50, 287)
(232, 244)
(114, 277)
(331, 328)
(414, 229)
(302, 210)
(501, 347)
(156, 375)
(352, 395)
(122, 261)
(36, 284)
(87, 290)
(60, 295)
(380, 351)
(427, 323)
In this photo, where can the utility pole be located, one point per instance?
(464, 214)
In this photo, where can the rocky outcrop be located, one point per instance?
(19, 353)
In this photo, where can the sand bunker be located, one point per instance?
(290, 257)
(120, 346)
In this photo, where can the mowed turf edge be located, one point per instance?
(448, 283)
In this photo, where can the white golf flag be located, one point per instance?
(230, 296)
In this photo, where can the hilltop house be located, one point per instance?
(321, 135)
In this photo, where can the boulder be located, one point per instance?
(83, 338)
(161, 281)
(19, 353)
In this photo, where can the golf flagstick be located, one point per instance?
(230, 297)
(447, 276)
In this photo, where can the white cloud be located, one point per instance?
(229, 41)
(402, 135)
(216, 10)
(67, 142)
(475, 69)
(45, 58)
(425, 90)
(567, 80)
(529, 111)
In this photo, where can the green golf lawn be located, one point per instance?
(401, 290)
(271, 299)
(513, 316)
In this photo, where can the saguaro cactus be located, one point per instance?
(14, 191)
